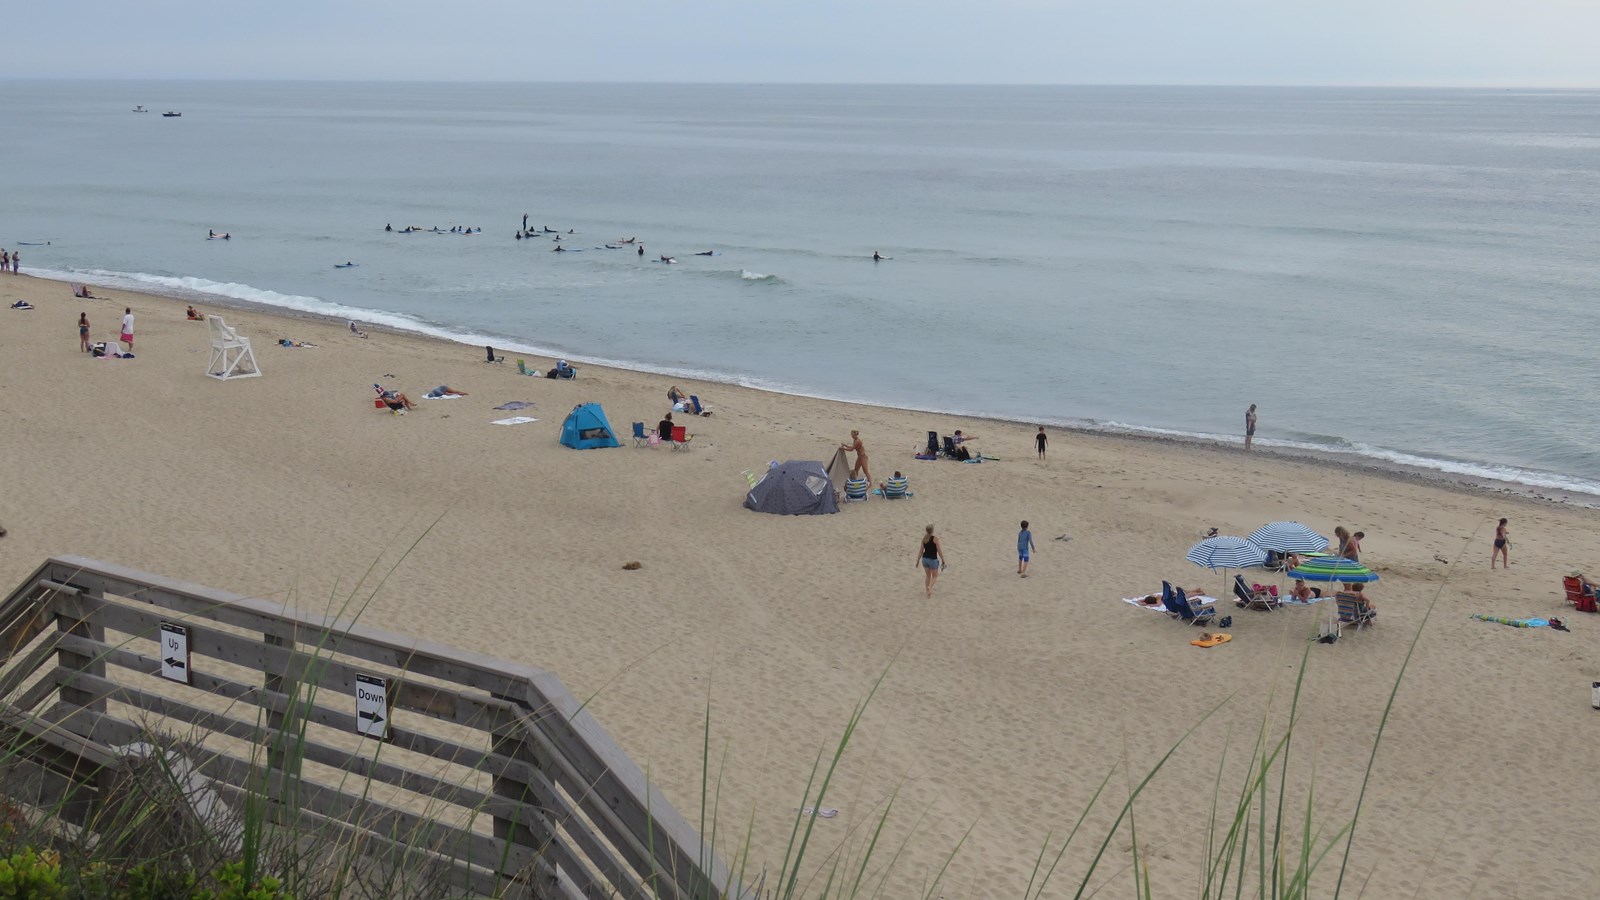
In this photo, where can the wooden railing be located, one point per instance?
(490, 771)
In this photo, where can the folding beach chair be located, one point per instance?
(522, 369)
(1250, 598)
(855, 489)
(1191, 611)
(699, 409)
(895, 489)
(949, 447)
(933, 443)
(1581, 598)
(640, 436)
(680, 437)
(1353, 610)
(492, 358)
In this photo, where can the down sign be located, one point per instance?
(372, 706)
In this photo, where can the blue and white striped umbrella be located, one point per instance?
(1287, 537)
(1226, 552)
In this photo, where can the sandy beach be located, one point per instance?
(1006, 700)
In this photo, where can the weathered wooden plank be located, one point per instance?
(326, 674)
(277, 703)
(435, 660)
(613, 779)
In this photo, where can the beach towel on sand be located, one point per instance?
(515, 404)
(1514, 623)
(1139, 602)
(1211, 640)
(514, 420)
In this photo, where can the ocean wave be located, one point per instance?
(748, 275)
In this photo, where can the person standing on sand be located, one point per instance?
(1039, 440)
(83, 332)
(1249, 425)
(1502, 545)
(127, 327)
(861, 455)
(930, 556)
(16, 260)
(1025, 546)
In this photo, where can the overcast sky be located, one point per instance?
(1347, 42)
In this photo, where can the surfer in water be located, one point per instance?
(559, 249)
(706, 253)
(524, 221)
(388, 228)
(641, 250)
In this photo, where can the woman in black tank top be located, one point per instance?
(930, 556)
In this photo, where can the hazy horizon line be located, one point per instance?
(1481, 86)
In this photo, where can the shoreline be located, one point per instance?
(1352, 462)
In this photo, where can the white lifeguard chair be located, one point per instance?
(231, 356)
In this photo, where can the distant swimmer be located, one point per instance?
(570, 231)
(706, 253)
(549, 230)
(388, 228)
(641, 249)
(626, 240)
(559, 249)
(876, 256)
(668, 259)
(524, 221)
(344, 265)
(519, 235)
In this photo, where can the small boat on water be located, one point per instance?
(170, 114)
(140, 108)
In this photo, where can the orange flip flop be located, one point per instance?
(1211, 640)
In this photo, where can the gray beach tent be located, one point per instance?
(799, 487)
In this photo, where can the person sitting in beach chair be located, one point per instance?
(81, 291)
(1191, 611)
(895, 488)
(356, 331)
(855, 489)
(1581, 592)
(194, 315)
(489, 352)
(394, 400)
(1253, 596)
(1354, 607)
(562, 370)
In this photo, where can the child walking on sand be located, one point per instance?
(1025, 547)
(1502, 545)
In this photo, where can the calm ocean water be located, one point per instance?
(1402, 274)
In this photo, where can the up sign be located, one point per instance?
(175, 653)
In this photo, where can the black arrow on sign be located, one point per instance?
(374, 716)
(175, 664)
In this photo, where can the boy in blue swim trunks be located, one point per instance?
(1024, 548)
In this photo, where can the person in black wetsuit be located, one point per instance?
(388, 228)
(641, 249)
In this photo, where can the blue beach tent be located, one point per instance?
(586, 427)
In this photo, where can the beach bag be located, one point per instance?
(98, 349)
(1329, 630)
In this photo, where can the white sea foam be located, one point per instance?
(748, 275)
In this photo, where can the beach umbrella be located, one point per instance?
(1333, 568)
(1287, 537)
(1226, 552)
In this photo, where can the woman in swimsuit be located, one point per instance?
(860, 467)
(83, 332)
(1502, 545)
(930, 555)
(1344, 540)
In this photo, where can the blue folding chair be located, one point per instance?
(640, 436)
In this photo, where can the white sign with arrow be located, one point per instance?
(175, 653)
(372, 706)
